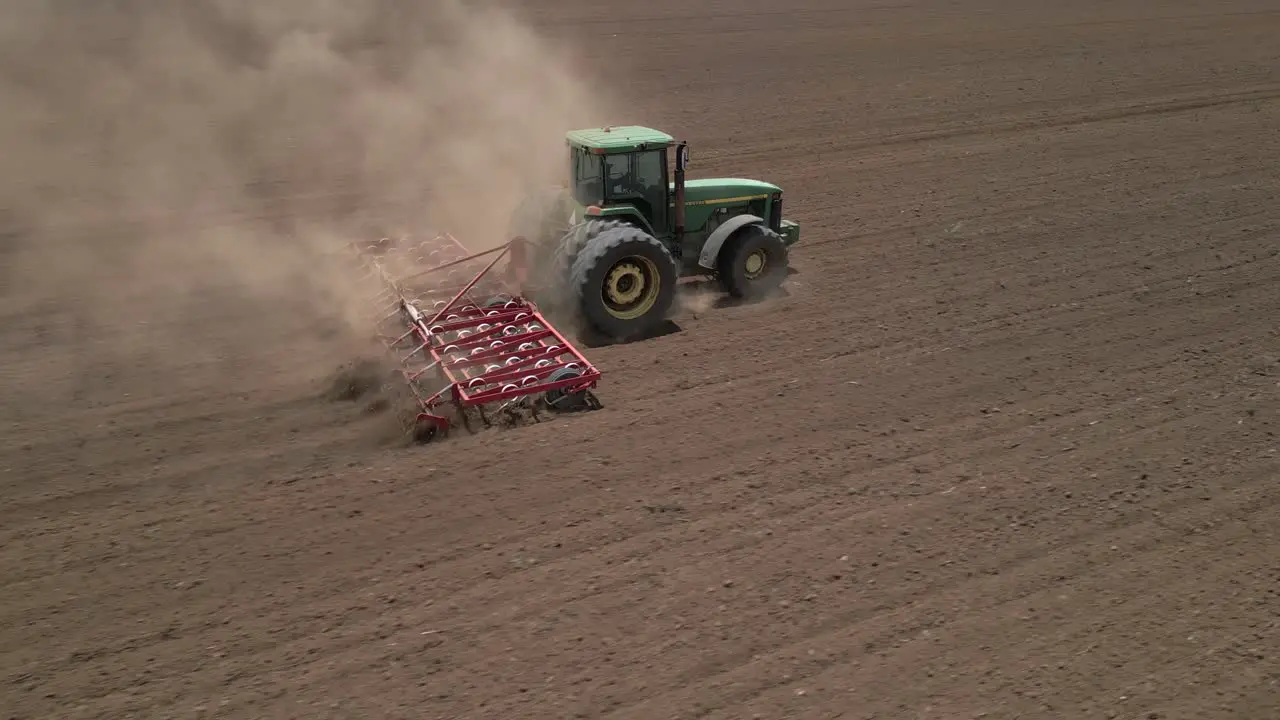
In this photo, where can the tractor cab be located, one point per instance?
(623, 167)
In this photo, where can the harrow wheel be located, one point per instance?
(566, 400)
(624, 280)
(425, 430)
(753, 264)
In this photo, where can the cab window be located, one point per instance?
(585, 169)
(638, 178)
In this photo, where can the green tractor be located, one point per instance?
(629, 226)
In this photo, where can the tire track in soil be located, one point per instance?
(1027, 692)
(906, 620)
(609, 519)
(1204, 101)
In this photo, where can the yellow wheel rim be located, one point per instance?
(631, 287)
(755, 264)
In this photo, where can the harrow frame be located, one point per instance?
(477, 352)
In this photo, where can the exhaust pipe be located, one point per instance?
(682, 162)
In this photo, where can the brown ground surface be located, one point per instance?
(1008, 449)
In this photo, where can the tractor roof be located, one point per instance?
(619, 139)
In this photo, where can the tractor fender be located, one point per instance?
(717, 238)
(625, 213)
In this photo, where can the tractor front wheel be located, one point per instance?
(624, 281)
(753, 263)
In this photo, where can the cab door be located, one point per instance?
(640, 178)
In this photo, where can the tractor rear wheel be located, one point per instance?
(560, 267)
(576, 238)
(753, 263)
(624, 282)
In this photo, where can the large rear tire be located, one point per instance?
(624, 282)
(577, 238)
(560, 268)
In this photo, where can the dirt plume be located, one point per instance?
(355, 380)
(160, 158)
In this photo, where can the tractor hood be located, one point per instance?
(710, 190)
(707, 191)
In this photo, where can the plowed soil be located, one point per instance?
(1007, 448)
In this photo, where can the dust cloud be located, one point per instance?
(162, 158)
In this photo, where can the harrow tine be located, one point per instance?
(422, 371)
(392, 315)
(403, 336)
(413, 352)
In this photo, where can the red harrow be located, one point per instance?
(469, 337)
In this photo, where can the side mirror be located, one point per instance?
(682, 157)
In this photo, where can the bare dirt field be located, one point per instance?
(1007, 449)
